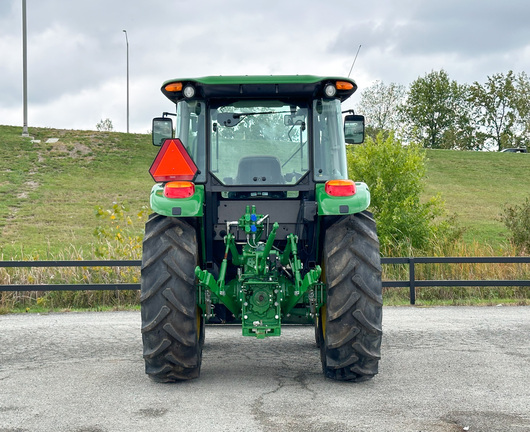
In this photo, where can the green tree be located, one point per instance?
(380, 105)
(434, 110)
(463, 134)
(394, 173)
(522, 107)
(495, 106)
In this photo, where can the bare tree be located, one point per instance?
(379, 104)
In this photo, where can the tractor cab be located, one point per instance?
(251, 204)
(250, 138)
(260, 138)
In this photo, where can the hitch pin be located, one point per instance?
(260, 221)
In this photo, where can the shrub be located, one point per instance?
(394, 173)
(118, 236)
(105, 125)
(517, 219)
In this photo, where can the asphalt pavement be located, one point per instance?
(442, 369)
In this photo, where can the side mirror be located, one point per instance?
(354, 129)
(288, 120)
(294, 120)
(162, 130)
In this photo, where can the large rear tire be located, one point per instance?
(172, 324)
(351, 319)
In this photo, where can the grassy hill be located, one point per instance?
(48, 190)
(476, 186)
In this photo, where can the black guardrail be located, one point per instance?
(411, 283)
(71, 287)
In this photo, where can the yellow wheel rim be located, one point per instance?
(323, 316)
(323, 309)
(199, 321)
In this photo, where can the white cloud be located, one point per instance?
(77, 58)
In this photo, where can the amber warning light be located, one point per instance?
(173, 163)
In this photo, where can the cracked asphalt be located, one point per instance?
(443, 369)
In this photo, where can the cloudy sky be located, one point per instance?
(77, 49)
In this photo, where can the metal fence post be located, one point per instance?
(412, 274)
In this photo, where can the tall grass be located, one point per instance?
(115, 238)
(461, 271)
(67, 300)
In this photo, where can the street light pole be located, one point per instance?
(127, 42)
(24, 71)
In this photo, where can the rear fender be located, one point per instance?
(331, 205)
(177, 207)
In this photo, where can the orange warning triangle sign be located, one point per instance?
(173, 163)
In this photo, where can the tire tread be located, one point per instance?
(171, 332)
(350, 349)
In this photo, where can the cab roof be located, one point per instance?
(258, 86)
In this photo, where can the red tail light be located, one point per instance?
(340, 187)
(179, 189)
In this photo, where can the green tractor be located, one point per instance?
(256, 222)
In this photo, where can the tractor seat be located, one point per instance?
(259, 170)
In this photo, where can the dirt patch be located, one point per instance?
(75, 150)
(80, 150)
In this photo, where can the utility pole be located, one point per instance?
(24, 71)
(127, 42)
